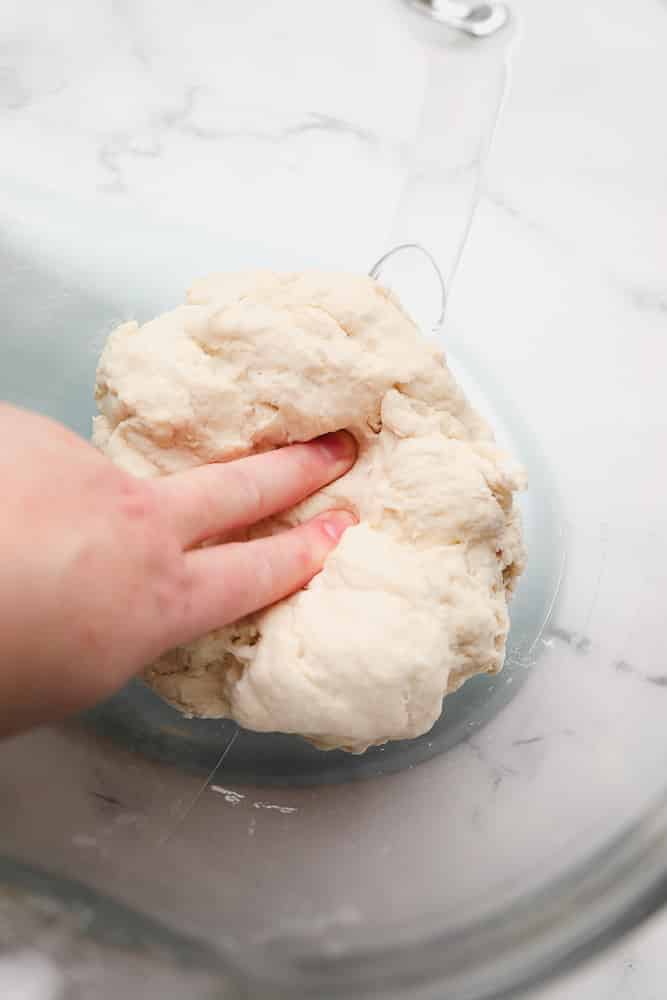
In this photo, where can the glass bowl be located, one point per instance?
(528, 827)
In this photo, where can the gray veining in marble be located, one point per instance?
(570, 223)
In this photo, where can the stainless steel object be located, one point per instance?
(477, 19)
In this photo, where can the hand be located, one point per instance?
(98, 571)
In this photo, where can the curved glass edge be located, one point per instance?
(538, 938)
(100, 919)
(532, 940)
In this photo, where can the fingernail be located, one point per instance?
(338, 446)
(337, 522)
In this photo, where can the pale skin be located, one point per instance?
(100, 572)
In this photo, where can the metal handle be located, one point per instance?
(476, 19)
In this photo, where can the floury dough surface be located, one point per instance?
(414, 599)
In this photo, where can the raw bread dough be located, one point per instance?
(414, 599)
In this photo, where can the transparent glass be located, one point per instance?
(529, 825)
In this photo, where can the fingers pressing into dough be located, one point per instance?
(213, 499)
(229, 581)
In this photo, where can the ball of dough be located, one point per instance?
(414, 599)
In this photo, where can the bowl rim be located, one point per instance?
(546, 932)
(540, 935)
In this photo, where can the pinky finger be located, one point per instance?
(232, 580)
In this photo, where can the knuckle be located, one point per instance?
(309, 463)
(303, 549)
(251, 494)
(145, 531)
(206, 506)
(171, 591)
(265, 576)
(137, 501)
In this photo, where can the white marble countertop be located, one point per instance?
(112, 101)
(578, 167)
